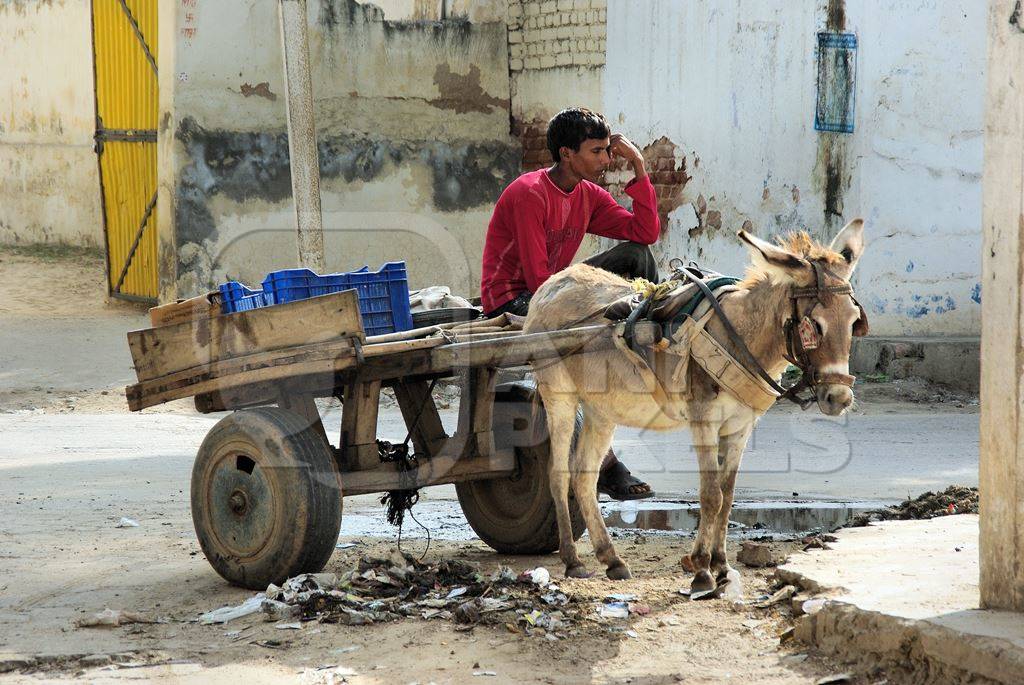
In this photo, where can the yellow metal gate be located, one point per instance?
(125, 50)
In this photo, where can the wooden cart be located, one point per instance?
(267, 484)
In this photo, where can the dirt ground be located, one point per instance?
(679, 641)
(60, 562)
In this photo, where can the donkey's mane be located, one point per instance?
(801, 244)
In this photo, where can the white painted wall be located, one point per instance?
(49, 177)
(920, 133)
(733, 83)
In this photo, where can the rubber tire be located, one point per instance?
(516, 514)
(286, 473)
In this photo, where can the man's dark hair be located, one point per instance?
(570, 127)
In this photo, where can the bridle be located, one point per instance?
(800, 331)
(802, 334)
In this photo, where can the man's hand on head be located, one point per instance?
(620, 146)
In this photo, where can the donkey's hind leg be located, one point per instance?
(594, 441)
(561, 415)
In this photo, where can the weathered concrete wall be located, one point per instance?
(556, 58)
(49, 178)
(733, 85)
(413, 136)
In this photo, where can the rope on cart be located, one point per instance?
(402, 499)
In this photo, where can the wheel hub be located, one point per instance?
(238, 502)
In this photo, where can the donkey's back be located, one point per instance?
(574, 296)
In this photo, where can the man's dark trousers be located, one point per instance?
(629, 260)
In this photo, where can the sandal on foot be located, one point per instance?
(616, 481)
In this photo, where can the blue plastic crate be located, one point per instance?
(238, 298)
(383, 294)
(383, 298)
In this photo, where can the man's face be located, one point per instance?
(592, 159)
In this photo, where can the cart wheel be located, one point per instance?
(515, 514)
(266, 497)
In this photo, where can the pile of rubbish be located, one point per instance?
(382, 590)
(956, 499)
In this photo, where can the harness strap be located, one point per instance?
(746, 357)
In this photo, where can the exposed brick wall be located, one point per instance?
(668, 174)
(534, 139)
(545, 34)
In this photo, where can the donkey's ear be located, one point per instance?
(850, 243)
(773, 257)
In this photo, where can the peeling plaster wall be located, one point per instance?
(733, 85)
(49, 178)
(413, 134)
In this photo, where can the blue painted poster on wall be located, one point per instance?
(837, 54)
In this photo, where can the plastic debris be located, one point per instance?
(127, 523)
(632, 633)
(225, 614)
(537, 576)
(779, 596)
(477, 674)
(274, 610)
(111, 618)
(613, 610)
(387, 589)
(620, 598)
(288, 626)
(734, 587)
(813, 606)
(346, 545)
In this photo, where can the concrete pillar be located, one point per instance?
(1002, 337)
(305, 164)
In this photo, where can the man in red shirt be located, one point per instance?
(541, 218)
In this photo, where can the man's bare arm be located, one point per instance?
(621, 147)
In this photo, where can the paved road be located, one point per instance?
(865, 457)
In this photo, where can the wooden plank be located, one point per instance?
(201, 307)
(254, 368)
(292, 398)
(516, 351)
(421, 416)
(227, 399)
(399, 347)
(170, 349)
(359, 425)
(476, 407)
(151, 393)
(436, 471)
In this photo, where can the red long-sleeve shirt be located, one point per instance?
(537, 227)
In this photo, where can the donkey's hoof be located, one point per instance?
(702, 582)
(619, 572)
(577, 571)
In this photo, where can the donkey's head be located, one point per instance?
(821, 317)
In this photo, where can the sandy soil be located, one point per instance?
(679, 641)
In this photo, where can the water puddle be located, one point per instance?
(444, 519)
(748, 519)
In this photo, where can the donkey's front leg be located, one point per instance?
(561, 423)
(705, 441)
(730, 452)
(591, 448)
